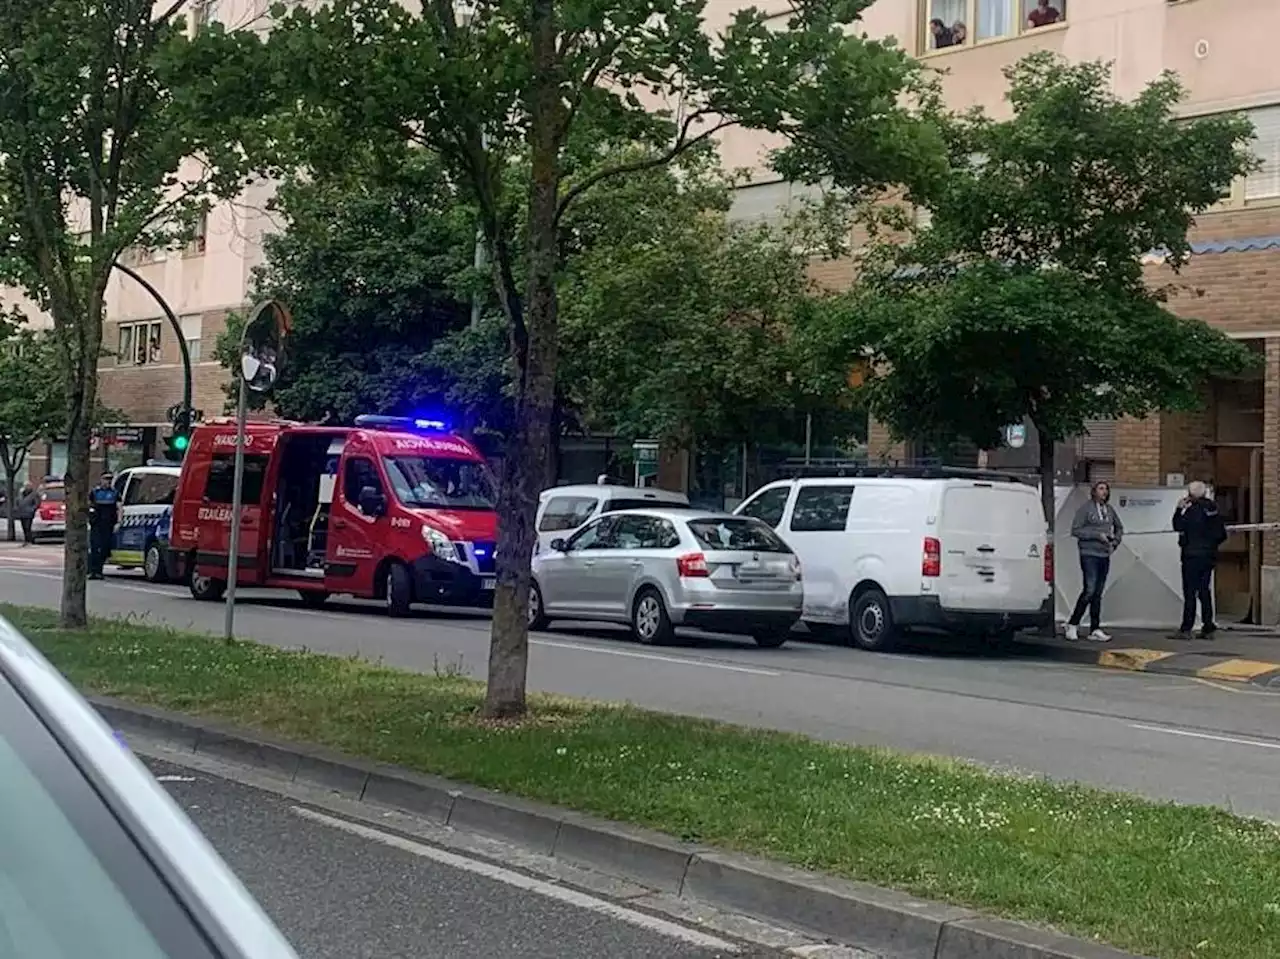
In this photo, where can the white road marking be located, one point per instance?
(175, 779)
(564, 894)
(681, 660)
(1234, 740)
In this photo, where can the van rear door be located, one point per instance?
(993, 540)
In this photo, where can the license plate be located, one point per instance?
(489, 584)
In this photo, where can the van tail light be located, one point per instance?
(1048, 562)
(692, 566)
(931, 561)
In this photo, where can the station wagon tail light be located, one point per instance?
(692, 566)
(931, 561)
(1048, 562)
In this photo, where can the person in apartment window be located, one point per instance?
(1043, 15)
(941, 34)
(153, 347)
(959, 33)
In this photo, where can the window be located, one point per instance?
(202, 14)
(955, 23)
(636, 531)
(737, 533)
(140, 344)
(357, 474)
(220, 486)
(618, 505)
(440, 482)
(821, 509)
(199, 238)
(1265, 182)
(151, 489)
(768, 506)
(566, 512)
(599, 535)
(192, 334)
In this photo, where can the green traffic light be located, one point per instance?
(180, 442)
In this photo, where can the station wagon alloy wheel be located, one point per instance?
(649, 620)
(537, 618)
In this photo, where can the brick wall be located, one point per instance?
(144, 393)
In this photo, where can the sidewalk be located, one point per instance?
(1236, 655)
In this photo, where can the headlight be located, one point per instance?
(440, 544)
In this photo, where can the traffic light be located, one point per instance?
(180, 437)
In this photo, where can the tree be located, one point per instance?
(1025, 297)
(373, 262)
(506, 79)
(119, 130)
(31, 402)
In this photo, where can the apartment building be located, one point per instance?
(1222, 50)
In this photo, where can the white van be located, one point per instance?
(888, 550)
(563, 509)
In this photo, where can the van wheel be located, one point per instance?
(313, 598)
(871, 623)
(207, 588)
(649, 620)
(153, 567)
(537, 615)
(399, 590)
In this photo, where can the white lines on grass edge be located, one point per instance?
(1187, 733)
(564, 894)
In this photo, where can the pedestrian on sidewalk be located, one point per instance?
(1201, 530)
(28, 501)
(1098, 531)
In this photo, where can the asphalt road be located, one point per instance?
(1165, 737)
(343, 894)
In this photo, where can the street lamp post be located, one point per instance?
(177, 331)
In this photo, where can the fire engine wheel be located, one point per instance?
(153, 566)
(207, 588)
(399, 590)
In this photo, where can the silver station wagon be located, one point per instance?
(663, 568)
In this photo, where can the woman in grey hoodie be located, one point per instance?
(1098, 531)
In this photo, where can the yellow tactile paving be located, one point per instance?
(1237, 670)
(1135, 659)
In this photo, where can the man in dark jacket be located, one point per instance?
(1201, 530)
(28, 503)
(104, 510)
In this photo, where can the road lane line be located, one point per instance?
(679, 660)
(1235, 740)
(564, 894)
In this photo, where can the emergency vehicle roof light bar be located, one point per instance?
(408, 423)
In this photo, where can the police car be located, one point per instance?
(146, 514)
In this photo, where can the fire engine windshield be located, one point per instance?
(439, 483)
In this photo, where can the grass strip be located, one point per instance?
(1162, 880)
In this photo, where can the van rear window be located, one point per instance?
(992, 509)
(219, 488)
(566, 512)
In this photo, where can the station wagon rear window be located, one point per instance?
(738, 533)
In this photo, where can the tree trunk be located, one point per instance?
(1048, 504)
(11, 495)
(82, 400)
(534, 344)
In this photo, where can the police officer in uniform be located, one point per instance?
(104, 510)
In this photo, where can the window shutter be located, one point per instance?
(1099, 440)
(1266, 181)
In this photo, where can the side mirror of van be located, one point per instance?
(560, 545)
(372, 503)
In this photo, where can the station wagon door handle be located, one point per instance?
(986, 549)
(637, 564)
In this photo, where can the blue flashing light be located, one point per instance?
(409, 424)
